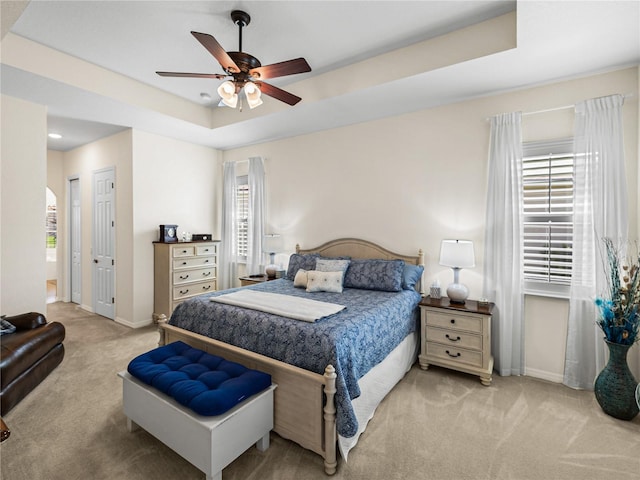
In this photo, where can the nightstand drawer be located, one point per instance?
(454, 321)
(454, 338)
(454, 354)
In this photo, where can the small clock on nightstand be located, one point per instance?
(168, 233)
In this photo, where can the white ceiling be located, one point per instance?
(556, 40)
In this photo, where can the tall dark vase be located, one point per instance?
(615, 386)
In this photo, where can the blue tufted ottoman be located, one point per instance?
(205, 408)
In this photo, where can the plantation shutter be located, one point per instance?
(242, 205)
(547, 180)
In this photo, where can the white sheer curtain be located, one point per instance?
(502, 246)
(600, 210)
(255, 225)
(228, 247)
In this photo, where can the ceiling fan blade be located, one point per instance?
(194, 75)
(289, 67)
(215, 49)
(278, 93)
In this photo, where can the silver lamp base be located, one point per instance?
(457, 292)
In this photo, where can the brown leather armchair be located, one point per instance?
(27, 356)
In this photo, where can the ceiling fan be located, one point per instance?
(245, 70)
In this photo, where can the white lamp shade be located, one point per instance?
(457, 253)
(253, 93)
(272, 243)
(227, 91)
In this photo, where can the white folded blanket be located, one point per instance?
(283, 305)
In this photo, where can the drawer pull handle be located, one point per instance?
(457, 339)
(206, 249)
(184, 277)
(184, 263)
(184, 251)
(453, 320)
(184, 292)
(206, 274)
(454, 356)
(206, 261)
(206, 287)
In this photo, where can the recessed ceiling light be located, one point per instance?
(55, 135)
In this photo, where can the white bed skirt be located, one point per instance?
(377, 383)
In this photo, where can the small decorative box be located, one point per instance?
(434, 292)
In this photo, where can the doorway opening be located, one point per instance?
(51, 236)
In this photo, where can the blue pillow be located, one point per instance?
(375, 274)
(306, 261)
(412, 275)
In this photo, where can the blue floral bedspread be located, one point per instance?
(353, 340)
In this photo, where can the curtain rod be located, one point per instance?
(564, 107)
(238, 161)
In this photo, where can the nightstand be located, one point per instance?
(456, 336)
(253, 279)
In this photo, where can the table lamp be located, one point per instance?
(272, 244)
(457, 254)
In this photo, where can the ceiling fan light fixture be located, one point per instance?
(253, 93)
(227, 91)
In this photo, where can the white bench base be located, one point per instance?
(209, 443)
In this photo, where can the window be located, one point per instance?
(242, 216)
(51, 220)
(547, 181)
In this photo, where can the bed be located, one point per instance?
(327, 391)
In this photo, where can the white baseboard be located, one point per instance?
(86, 307)
(129, 323)
(544, 375)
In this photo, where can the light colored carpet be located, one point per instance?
(435, 424)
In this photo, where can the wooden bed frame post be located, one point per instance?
(331, 438)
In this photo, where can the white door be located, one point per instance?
(104, 236)
(75, 243)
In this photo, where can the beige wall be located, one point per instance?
(409, 181)
(174, 182)
(23, 185)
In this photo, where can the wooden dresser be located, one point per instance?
(457, 336)
(183, 270)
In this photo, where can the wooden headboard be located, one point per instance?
(357, 248)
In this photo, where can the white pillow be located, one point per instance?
(300, 279)
(324, 281)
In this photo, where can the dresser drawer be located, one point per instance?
(454, 321)
(209, 249)
(454, 354)
(189, 290)
(183, 251)
(454, 338)
(192, 262)
(197, 275)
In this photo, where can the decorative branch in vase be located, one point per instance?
(619, 319)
